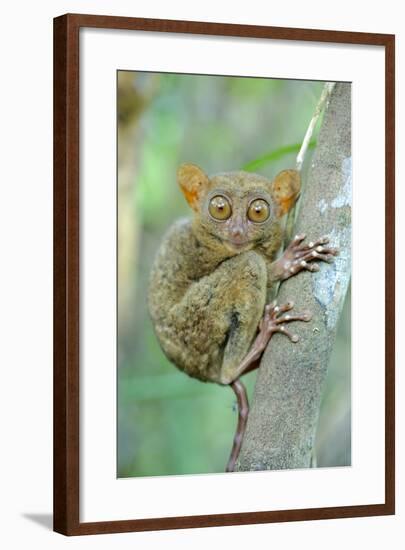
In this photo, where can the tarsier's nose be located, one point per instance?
(237, 233)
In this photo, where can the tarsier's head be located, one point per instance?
(240, 209)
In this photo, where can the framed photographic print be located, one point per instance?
(223, 274)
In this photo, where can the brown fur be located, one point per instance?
(206, 295)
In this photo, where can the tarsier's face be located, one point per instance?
(241, 209)
(237, 208)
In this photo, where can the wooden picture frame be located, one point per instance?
(67, 280)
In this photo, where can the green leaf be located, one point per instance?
(275, 155)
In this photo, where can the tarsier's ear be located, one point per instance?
(193, 182)
(285, 189)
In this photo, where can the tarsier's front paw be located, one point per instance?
(298, 255)
(274, 320)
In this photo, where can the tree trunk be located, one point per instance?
(285, 408)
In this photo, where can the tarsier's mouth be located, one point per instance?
(239, 245)
(234, 244)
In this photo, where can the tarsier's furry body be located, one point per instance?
(211, 279)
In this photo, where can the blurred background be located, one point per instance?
(169, 423)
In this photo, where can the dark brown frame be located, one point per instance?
(66, 273)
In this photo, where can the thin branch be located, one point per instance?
(327, 90)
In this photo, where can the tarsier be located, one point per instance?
(212, 277)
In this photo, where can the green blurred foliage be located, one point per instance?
(169, 423)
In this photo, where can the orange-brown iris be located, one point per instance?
(258, 211)
(219, 208)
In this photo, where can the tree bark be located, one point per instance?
(285, 408)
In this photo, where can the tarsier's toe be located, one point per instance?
(306, 316)
(282, 308)
(287, 319)
(293, 337)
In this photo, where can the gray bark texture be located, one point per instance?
(285, 407)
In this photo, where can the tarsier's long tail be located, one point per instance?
(243, 412)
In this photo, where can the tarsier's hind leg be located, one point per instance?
(273, 321)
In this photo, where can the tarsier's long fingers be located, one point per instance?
(316, 256)
(299, 249)
(297, 240)
(311, 244)
(299, 256)
(318, 252)
(300, 265)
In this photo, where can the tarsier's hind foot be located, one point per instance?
(299, 255)
(274, 319)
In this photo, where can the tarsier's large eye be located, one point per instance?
(219, 208)
(258, 211)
